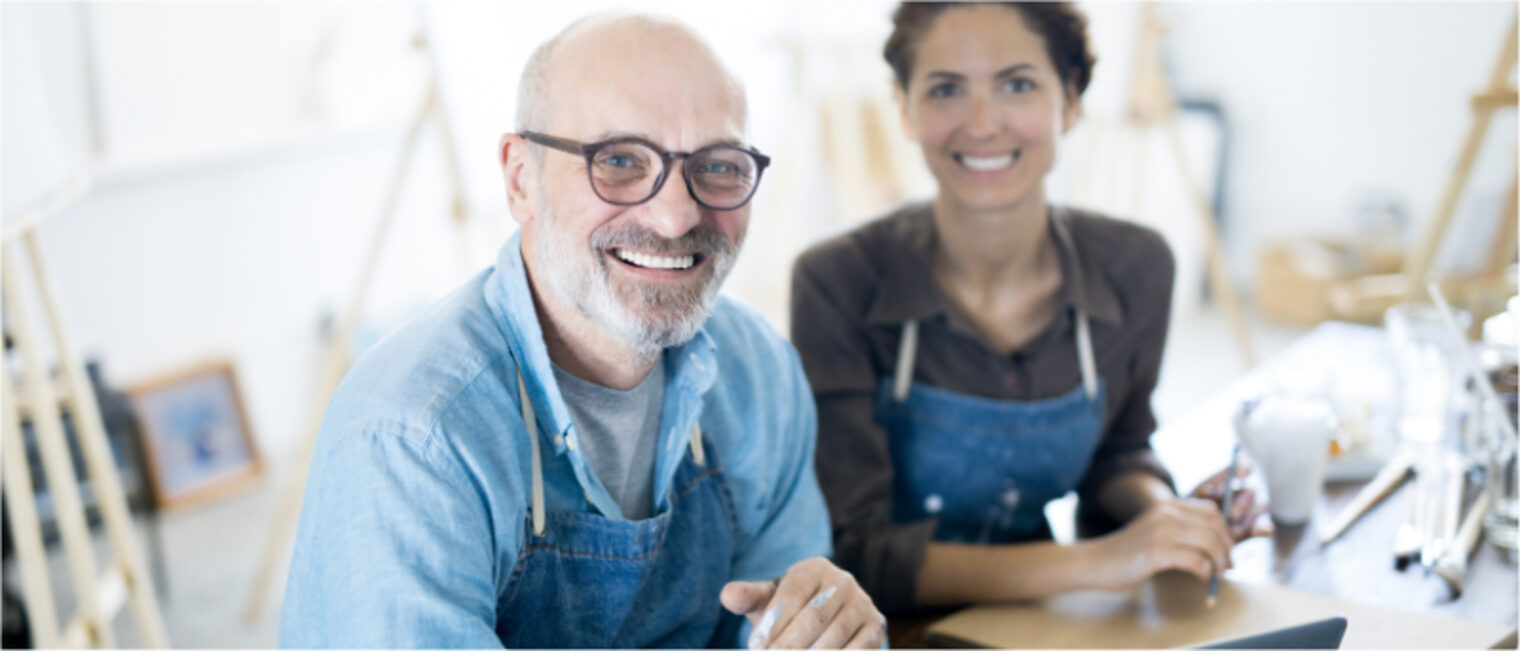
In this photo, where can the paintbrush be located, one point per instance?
(1448, 513)
(1406, 542)
(1453, 564)
(1224, 507)
(1386, 481)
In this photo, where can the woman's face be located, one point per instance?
(987, 107)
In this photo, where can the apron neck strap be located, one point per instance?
(1085, 356)
(907, 349)
(530, 419)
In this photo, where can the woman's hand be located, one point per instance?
(1185, 534)
(1245, 512)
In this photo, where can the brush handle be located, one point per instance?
(1387, 479)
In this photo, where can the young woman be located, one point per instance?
(978, 355)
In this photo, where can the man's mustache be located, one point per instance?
(701, 239)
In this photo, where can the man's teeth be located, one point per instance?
(655, 261)
(987, 164)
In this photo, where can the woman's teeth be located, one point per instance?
(655, 261)
(989, 164)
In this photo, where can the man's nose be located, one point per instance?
(672, 212)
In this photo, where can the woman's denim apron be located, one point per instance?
(583, 580)
(986, 468)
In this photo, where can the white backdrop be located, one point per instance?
(247, 147)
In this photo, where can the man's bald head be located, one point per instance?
(642, 273)
(612, 45)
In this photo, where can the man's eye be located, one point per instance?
(718, 167)
(619, 161)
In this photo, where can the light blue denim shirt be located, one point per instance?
(419, 484)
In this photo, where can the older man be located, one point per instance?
(584, 446)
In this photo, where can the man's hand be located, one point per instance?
(814, 605)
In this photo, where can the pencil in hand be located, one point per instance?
(1224, 507)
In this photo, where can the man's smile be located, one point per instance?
(659, 265)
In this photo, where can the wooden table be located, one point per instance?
(1350, 362)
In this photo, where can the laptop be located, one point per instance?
(1323, 634)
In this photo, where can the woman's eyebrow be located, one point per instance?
(1005, 72)
(1013, 70)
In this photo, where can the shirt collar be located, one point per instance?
(691, 367)
(908, 290)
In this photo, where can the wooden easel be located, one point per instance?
(1484, 292)
(1152, 106)
(336, 361)
(1498, 95)
(100, 595)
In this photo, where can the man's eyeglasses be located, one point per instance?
(630, 171)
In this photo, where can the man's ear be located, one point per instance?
(521, 176)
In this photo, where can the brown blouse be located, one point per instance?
(850, 297)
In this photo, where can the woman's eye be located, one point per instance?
(943, 90)
(1019, 85)
(617, 161)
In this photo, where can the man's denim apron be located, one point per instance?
(986, 468)
(583, 580)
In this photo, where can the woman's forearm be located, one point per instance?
(1125, 496)
(954, 574)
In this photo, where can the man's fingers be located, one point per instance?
(792, 592)
(804, 623)
(835, 635)
(746, 597)
(871, 635)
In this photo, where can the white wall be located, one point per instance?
(1335, 102)
(211, 248)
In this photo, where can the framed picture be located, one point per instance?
(195, 434)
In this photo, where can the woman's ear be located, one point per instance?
(909, 129)
(520, 175)
(1071, 110)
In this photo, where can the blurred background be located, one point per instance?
(205, 184)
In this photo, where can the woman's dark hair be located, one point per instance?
(1061, 24)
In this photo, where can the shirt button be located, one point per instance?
(570, 443)
(558, 440)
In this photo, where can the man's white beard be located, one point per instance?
(649, 318)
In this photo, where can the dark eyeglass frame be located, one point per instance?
(589, 151)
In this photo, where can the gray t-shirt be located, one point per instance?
(617, 432)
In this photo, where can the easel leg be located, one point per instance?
(20, 503)
(99, 461)
(333, 367)
(1219, 273)
(58, 465)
